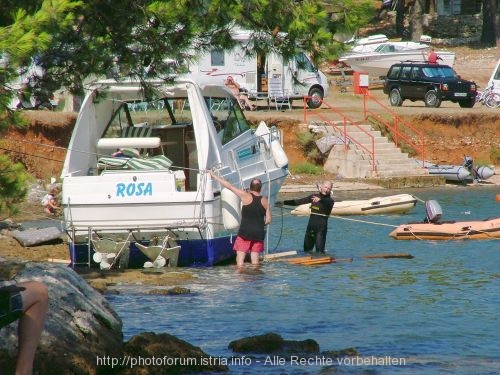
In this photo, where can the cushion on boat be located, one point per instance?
(152, 163)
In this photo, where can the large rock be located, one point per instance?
(83, 334)
(80, 323)
(273, 343)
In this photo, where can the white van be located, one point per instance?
(259, 74)
(495, 78)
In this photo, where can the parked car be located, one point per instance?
(431, 83)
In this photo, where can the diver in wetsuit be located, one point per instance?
(321, 208)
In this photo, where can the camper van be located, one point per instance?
(261, 75)
(495, 78)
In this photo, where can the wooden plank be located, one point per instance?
(298, 259)
(314, 261)
(279, 255)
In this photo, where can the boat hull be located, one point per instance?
(195, 253)
(445, 231)
(394, 204)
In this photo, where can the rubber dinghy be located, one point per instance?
(392, 204)
(460, 173)
(434, 229)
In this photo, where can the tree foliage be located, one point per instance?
(75, 40)
(13, 182)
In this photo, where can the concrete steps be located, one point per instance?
(356, 160)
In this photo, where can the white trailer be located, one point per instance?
(261, 74)
(495, 78)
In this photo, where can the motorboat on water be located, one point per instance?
(376, 63)
(135, 191)
(434, 229)
(460, 173)
(392, 204)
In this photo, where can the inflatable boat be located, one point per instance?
(434, 229)
(392, 204)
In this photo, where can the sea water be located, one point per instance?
(437, 313)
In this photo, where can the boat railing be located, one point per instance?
(346, 123)
(399, 128)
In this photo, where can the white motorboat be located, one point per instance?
(376, 63)
(392, 204)
(135, 173)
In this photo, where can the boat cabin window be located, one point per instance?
(228, 117)
(129, 116)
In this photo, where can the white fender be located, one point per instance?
(279, 155)
(231, 209)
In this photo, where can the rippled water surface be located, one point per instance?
(437, 313)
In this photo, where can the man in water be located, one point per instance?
(255, 215)
(321, 208)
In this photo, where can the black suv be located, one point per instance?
(431, 83)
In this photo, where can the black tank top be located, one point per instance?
(253, 220)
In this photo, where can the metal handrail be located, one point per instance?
(345, 120)
(397, 121)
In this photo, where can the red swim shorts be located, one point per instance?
(240, 244)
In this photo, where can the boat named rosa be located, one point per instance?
(434, 229)
(392, 204)
(136, 192)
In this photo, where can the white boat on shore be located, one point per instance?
(135, 174)
(377, 62)
(392, 204)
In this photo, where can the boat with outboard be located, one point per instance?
(432, 228)
(392, 204)
(135, 187)
(460, 173)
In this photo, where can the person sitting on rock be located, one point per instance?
(28, 302)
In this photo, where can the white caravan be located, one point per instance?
(495, 78)
(262, 75)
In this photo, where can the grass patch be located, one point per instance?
(306, 168)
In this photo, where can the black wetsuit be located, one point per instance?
(253, 216)
(317, 227)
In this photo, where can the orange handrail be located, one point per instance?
(396, 128)
(345, 120)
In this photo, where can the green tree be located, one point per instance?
(13, 185)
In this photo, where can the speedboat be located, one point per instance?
(434, 229)
(377, 62)
(135, 187)
(392, 204)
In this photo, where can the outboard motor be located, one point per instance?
(468, 163)
(433, 211)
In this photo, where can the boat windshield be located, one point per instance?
(130, 117)
(228, 117)
(439, 71)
